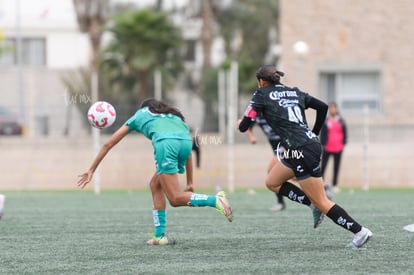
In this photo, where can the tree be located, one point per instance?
(245, 26)
(207, 32)
(92, 16)
(254, 21)
(142, 41)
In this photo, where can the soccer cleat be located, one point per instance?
(223, 206)
(278, 207)
(361, 238)
(163, 240)
(317, 216)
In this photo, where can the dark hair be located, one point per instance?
(159, 107)
(269, 73)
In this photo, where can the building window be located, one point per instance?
(33, 52)
(353, 89)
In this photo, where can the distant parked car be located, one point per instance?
(8, 123)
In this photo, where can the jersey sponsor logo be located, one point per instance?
(285, 103)
(276, 95)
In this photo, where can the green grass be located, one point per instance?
(81, 233)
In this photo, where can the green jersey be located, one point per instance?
(158, 126)
(284, 110)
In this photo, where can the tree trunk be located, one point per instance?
(207, 32)
(143, 89)
(210, 122)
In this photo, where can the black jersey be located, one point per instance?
(284, 110)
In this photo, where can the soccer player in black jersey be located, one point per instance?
(284, 110)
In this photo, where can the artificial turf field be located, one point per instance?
(77, 232)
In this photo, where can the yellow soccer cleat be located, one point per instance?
(223, 206)
(163, 240)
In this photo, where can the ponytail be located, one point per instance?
(269, 73)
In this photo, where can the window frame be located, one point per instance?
(338, 71)
(12, 42)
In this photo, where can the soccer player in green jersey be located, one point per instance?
(164, 125)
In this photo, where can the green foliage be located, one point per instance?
(254, 19)
(142, 41)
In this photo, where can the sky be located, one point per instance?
(36, 13)
(59, 13)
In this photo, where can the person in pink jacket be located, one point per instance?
(333, 138)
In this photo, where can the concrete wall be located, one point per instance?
(43, 96)
(353, 33)
(55, 163)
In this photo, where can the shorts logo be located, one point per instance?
(299, 169)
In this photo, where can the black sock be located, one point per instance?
(341, 218)
(280, 199)
(294, 193)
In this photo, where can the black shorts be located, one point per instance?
(304, 161)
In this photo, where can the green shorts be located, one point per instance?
(171, 155)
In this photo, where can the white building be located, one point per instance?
(51, 45)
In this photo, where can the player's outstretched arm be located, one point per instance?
(86, 177)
